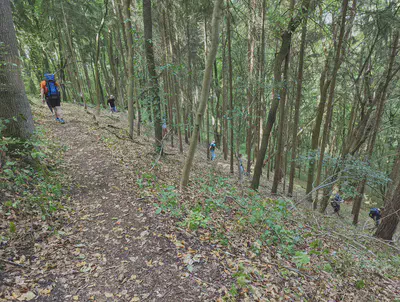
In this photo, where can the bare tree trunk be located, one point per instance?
(96, 62)
(148, 36)
(297, 107)
(129, 41)
(73, 57)
(228, 29)
(250, 53)
(13, 100)
(278, 173)
(224, 100)
(118, 86)
(204, 92)
(327, 125)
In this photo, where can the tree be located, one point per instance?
(13, 100)
(154, 90)
(204, 92)
(128, 28)
(297, 106)
(390, 215)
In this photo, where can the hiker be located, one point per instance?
(376, 215)
(111, 102)
(164, 128)
(335, 203)
(212, 149)
(49, 92)
(241, 164)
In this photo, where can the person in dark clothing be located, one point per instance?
(111, 103)
(335, 203)
(212, 147)
(376, 215)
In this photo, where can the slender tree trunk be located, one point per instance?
(224, 100)
(118, 86)
(156, 104)
(96, 62)
(204, 92)
(13, 100)
(129, 41)
(250, 53)
(278, 173)
(73, 57)
(336, 66)
(230, 82)
(297, 107)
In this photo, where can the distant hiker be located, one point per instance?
(376, 215)
(335, 203)
(212, 149)
(50, 93)
(111, 103)
(240, 159)
(164, 128)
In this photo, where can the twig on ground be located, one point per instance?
(13, 263)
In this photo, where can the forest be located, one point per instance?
(225, 150)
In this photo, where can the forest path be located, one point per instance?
(115, 248)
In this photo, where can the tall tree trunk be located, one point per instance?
(281, 55)
(129, 41)
(156, 104)
(250, 58)
(297, 106)
(278, 173)
(204, 92)
(118, 86)
(13, 100)
(228, 29)
(224, 100)
(97, 58)
(327, 125)
(390, 215)
(73, 57)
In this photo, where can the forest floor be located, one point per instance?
(129, 235)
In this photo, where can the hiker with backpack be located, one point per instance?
(50, 94)
(111, 103)
(335, 203)
(376, 215)
(212, 149)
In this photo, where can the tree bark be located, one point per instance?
(204, 92)
(154, 89)
(297, 106)
(13, 100)
(129, 41)
(390, 215)
(228, 29)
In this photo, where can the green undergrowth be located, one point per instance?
(31, 183)
(269, 229)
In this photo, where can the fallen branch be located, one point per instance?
(13, 263)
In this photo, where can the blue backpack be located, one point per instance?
(374, 212)
(52, 90)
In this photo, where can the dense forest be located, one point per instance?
(297, 99)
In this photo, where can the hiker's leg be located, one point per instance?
(58, 112)
(49, 105)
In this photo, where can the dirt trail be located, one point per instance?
(115, 248)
